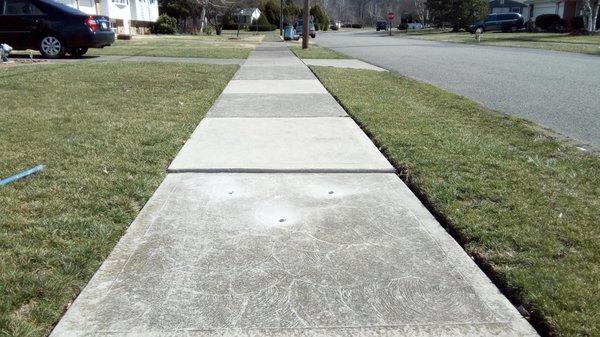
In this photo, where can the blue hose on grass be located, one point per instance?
(21, 175)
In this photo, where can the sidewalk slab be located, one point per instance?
(274, 73)
(288, 255)
(341, 63)
(279, 145)
(284, 105)
(275, 87)
(274, 62)
(272, 54)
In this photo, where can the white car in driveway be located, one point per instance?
(415, 25)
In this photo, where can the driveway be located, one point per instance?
(560, 91)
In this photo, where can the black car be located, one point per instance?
(52, 28)
(508, 22)
(381, 25)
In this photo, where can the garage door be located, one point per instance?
(549, 8)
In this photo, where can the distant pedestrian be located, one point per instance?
(478, 33)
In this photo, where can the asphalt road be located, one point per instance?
(560, 91)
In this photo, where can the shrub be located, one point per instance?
(208, 30)
(262, 25)
(164, 25)
(270, 9)
(228, 19)
(549, 22)
(321, 19)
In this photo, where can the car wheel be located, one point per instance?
(513, 29)
(52, 47)
(77, 52)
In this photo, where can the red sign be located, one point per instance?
(391, 16)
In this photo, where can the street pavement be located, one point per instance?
(559, 91)
(289, 223)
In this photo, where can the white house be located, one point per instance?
(567, 9)
(127, 16)
(247, 15)
(509, 6)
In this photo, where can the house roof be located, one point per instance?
(248, 11)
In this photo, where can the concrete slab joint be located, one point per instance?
(279, 217)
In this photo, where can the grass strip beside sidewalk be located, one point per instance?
(200, 46)
(106, 133)
(316, 52)
(585, 44)
(525, 206)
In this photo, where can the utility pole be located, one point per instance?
(305, 23)
(281, 18)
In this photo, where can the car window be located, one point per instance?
(490, 18)
(62, 7)
(20, 7)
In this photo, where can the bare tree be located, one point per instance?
(590, 14)
(421, 10)
(212, 13)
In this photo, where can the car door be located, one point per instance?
(20, 21)
(491, 22)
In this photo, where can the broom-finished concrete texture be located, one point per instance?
(273, 62)
(279, 145)
(274, 73)
(341, 63)
(288, 255)
(285, 105)
(275, 87)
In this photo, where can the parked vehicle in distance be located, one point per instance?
(52, 28)
(311, 28)
(507, 22)
(289, 33)
(414, 25)
(381, 25)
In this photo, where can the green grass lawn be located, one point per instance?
(549, 41)
(106, 133)
(316, 52)
(527, 207)
(223, 46)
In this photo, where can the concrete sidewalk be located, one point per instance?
(280, 218)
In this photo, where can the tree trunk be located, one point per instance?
(595, 11)
(305, 24)
(202, 19)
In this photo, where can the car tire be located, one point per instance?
(77, 52)
(52, 46)
(513, 29)
(313, 35)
